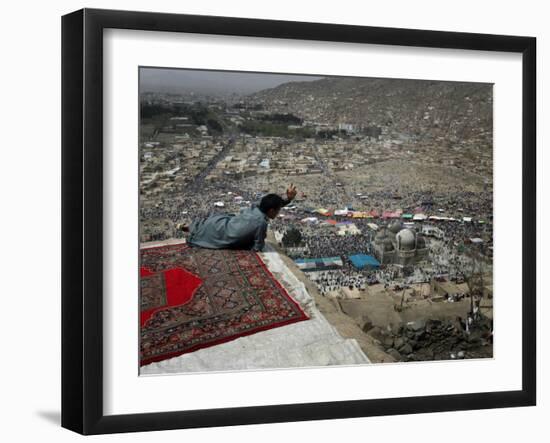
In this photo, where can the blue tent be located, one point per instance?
(361, 261)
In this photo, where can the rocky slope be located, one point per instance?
(418, 109)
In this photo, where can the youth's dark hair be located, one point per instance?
(270, 201)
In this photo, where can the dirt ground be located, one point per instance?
(410, 175)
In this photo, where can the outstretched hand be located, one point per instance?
(291, 192)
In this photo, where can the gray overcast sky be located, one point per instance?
(172, 80)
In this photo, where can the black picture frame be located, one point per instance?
(82, 215)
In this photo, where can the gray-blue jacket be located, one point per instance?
(245, 230)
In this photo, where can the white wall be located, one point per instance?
(30, 222)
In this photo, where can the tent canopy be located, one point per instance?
(420, 216)
(341, 212)
(361, 261)
(318, 264)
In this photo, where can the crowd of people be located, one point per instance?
(160, 216)
(333, 280)
(328, 244)
(321, 240)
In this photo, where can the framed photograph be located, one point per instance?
(269, 221)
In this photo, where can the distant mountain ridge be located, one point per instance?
(425, 109)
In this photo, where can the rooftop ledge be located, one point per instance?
(329, 337)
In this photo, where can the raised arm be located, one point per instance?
(290, 194)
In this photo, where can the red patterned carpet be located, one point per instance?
(192, 298)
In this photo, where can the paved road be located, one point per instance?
(198, 181)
